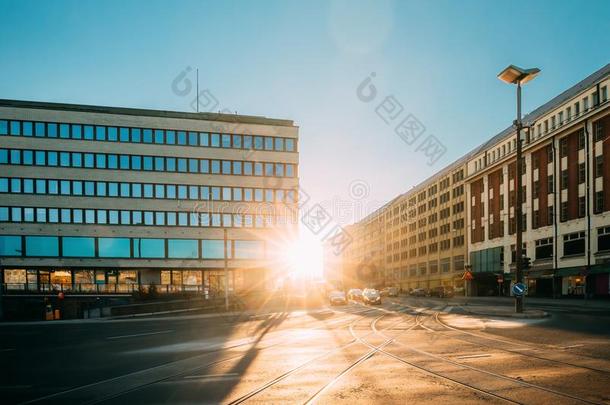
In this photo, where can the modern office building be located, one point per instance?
(463, 217)
(103, 200)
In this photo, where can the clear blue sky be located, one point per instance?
(304, 60)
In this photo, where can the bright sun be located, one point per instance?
(304, 257)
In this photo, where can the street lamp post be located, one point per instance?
(515, 75)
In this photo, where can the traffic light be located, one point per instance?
(526, 262)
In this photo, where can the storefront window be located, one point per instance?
(166, 277)
(15, 279)
(176, 277)
(576, 285)
(192, 277)
(128, 277)
(84, 280)
(61, 279)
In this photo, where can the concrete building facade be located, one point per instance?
(105, 200)
(565, 196)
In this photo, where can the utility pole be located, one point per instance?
(226, 255)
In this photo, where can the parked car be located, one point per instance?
(337, 298)
(393, 291)
(418, 292)
(441, 292)
(371, 296)
(355, 294)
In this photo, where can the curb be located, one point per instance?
(540, 315)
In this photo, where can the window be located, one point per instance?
(564, 211)
(182, 249)
(10, 245)
(582, 207)
(581, 139)
(114, 247)
(42, 246)
(78, 247)
(564, 179)
(289, 144)
(599, 202)
(544, 248)
(603, 239)
(574, 244)
(212, 249)
(226, 140)
(563, 147)
(599, 166)
(148, 248)
(581, 173)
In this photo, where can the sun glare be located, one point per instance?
(304, 257)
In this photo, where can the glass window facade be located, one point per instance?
(114, 247)
(42, 246)
(78, 247)
(145, 163)
(155, 136)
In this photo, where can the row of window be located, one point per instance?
(544, 128)
(134, 248)
(573, 244)
(145, 135)
(138, 217)
(146, 163)
(17, 185)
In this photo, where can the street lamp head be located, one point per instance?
(516, 75)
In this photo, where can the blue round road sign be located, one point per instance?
(518, 289)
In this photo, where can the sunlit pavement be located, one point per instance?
(419, 350)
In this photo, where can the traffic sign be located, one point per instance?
(518, 289)
(467, 276)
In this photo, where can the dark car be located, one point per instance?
(418, 292)
(337, 298)
(393, 291)
(371, 296)
(442, 292)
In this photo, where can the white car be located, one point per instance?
(337, 298)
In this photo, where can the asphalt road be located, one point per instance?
(406, 350)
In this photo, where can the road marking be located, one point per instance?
(212, 376)
(6, 350)
(473, 356)
(139, 334)
(570, 347)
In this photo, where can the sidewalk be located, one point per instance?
(596, 304)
